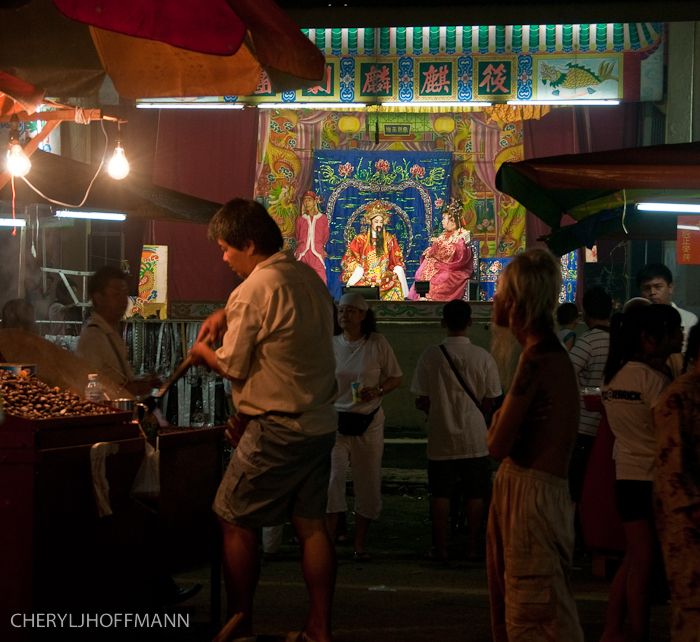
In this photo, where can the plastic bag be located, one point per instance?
(147, 481)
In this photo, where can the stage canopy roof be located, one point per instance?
(599, 191)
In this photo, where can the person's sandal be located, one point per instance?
(432, 556)
(362, 557)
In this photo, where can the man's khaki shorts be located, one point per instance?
(274, 474)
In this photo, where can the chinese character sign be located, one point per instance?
(494, 78)
(397, 130)
(264, 87)
(688, 250)
(435, 79)
(327, 88)
(376, 79)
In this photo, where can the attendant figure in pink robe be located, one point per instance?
(312, 235)
(447, 263)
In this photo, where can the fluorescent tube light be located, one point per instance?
(681, 208)
(12, 222)
(311, 105)
(101, 216)
(190, 105)
(692, 228)
(583, 101)
(438, 103)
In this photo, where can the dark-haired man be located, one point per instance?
(456, 426)
(655, 282)
(277, 350)
(100, 342)
(102, 346)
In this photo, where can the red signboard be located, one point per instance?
(688, 252)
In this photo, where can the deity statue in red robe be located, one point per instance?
(375, 258)
(312, 235)
(447, 263)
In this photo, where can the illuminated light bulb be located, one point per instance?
(17, 162)
(118, 167)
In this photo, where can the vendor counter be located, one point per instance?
(57, 555)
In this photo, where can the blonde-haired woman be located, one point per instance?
(530, 534)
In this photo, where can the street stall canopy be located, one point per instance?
(154, 49)
(599, 191)
(67, 180)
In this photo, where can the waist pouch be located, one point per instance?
(353, 423)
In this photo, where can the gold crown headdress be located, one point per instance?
(377, 208)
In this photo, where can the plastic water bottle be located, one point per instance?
(94, 391)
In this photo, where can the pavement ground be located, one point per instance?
(398, 596)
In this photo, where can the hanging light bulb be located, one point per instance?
(118, 167)
(18, 163)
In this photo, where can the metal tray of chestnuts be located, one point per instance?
(31, 407)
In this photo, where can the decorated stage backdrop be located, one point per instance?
(289, 139)
(415, 184)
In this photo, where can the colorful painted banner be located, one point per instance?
(479, 63)
(415, 184)
(152, 300)
(289, 138)
(495, 64)
(489, 271)
(569, 277)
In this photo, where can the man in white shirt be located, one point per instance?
(100, 341)
(277, 350)
(655, 282)
(456, 424)
(101, 344)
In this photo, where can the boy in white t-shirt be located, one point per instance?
(456, 426)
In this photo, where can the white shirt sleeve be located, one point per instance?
(389, 365)
(493, 380)
(419, 385)
(653, 386)
(242, 335)
(580, 354)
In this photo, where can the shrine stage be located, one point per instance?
(424, 311)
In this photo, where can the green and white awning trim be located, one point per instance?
(533, 39)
